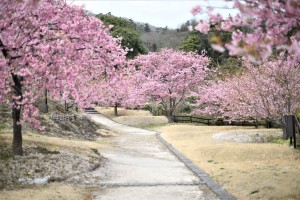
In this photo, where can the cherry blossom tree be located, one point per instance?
(168, 77)
(49, 45)
(271, 25)
(262, 30)
(264, 92)
(116, 91)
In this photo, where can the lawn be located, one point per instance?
(137, 118)
(247, 170)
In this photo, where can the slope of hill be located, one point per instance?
(153, 38)
(156, 38)
(163, 38)
(68, 147)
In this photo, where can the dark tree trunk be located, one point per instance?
(170, 115)
(116, 109)
(16, 110)
(256, 123)
(169, 112)
(17, 132)
(66, 106)
(16, 115)
(45, 103)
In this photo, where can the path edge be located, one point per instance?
(212, 184)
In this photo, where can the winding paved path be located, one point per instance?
(140, 167)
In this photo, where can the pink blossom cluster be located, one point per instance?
(118, 90)
(167, 77)
(261, 92)
(271, 24)
(49, 45)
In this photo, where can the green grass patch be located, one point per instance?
(95, 151)
(43, 150)
(280, 141)
(4, 155)
(153, 126)
(5, 151)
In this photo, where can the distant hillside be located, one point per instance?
(153, 38)
(158, 38)
(162, 38)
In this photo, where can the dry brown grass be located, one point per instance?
(109, 112)
(248, 171)
(70, 157)
(53, 191)
(138, 118)
(54, 143)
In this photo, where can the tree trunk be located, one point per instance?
(169, 112)
(45, 103)
(256, 123)
(170, 115)
(116, 109)
(17, 132)
(16, 115)
(66, 106)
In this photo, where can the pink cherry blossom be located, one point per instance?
(203, 26)
(51, 46)
(168, 77)
(196, 10)
(272, 24)
(262, 92)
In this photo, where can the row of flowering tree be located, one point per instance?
(261, 92)
(265, 89)
(167, 77)
(266, 35)
(49, 45)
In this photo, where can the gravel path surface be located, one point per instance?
(141, 167)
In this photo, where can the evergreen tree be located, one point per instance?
(198, 42)
(147, 28)
(127, 30)
(154, 47)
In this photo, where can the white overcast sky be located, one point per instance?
(160, 13)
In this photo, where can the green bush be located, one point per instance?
(95, 151)
(280, 141)
(2, 126)
(147, 107)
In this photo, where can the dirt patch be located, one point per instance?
(246, 170)
(137, 118)
(70, 124)
(249, 135)
(42, 164)
(65, 149)
(60, 123)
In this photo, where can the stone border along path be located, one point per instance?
(223, 194)
(142, 165)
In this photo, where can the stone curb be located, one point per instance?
(213, 185)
